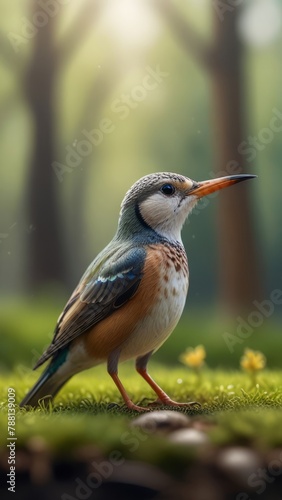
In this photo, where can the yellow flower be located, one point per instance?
(253, 361)
(193, 357)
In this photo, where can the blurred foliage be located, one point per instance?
(102, 57)
(170, 129)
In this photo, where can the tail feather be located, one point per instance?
(45, 388)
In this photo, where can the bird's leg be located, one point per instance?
(163, 398)
(113, 372)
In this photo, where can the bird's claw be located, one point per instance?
(138, 408)
(170, 402)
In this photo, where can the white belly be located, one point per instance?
(152, 332)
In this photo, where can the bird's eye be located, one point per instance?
(168, 189)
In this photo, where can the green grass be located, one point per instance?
(89, 409)
(83, 413)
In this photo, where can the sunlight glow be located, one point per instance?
(260, 22)
(131, 23)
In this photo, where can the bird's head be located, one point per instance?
(162, 201)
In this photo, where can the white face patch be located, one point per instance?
(167, 214)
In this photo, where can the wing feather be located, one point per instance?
(97, 297)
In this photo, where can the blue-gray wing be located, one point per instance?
(97, 297)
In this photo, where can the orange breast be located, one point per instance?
(110, 333)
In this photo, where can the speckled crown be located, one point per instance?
(147, 184)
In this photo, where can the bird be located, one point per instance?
(132, 295)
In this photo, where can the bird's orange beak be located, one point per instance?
(204, 188)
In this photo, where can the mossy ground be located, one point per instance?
(89, 408)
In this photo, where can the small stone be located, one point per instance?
(239, 462)
(189, 437)
(37, 444)
(164, 421)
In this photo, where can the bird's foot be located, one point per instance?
(170, 402)
(131, 406)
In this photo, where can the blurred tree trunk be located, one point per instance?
(45, 240)
(239, 271)
(47, 258)
(91, 115)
